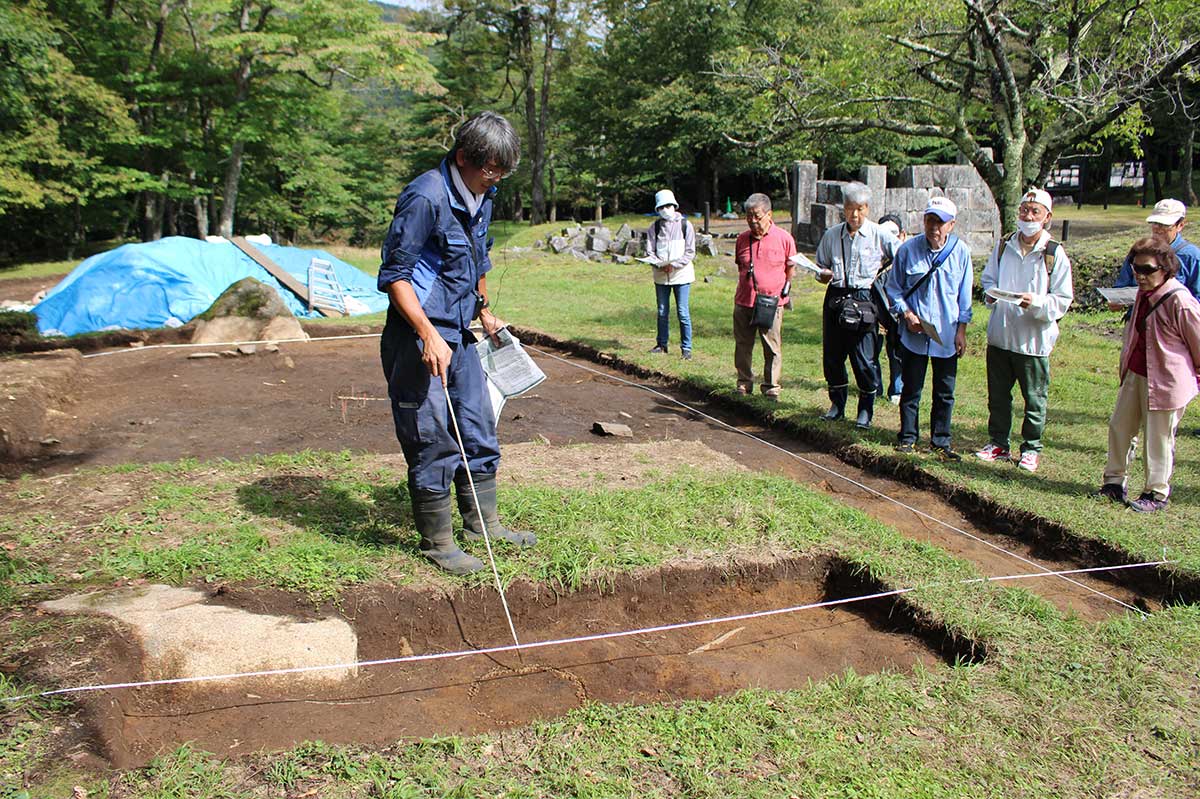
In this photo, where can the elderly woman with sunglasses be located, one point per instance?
(1160, 374)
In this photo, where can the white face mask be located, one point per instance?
(1029, 229)
(667, 212)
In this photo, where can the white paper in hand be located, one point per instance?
(508, 368)
(1004, 296)
(1121, 296)
(800, 262)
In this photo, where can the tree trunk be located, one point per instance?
(233, 170)
(233, 174)
(1185, 169)
(553, 188)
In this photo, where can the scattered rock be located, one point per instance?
(246, 349)
(200, 356)
(281, 328)
(226, 328)
(271, 348)
(229, 353)
(612, 429)
(288, 363)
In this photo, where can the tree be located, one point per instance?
(267, 45)
(1011, 83)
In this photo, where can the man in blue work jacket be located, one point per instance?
(929, 291)
(434, 270)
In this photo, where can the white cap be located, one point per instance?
(942, 207)
(1040, 197)
(664, 197)
(890, 227)
(1167, 212)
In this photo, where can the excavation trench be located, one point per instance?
(159, 405)
(471, 694)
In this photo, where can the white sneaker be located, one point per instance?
(993, 453)
(1029, 461)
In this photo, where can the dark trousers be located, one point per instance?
(945, 370)
(837, 344)
(888, 341)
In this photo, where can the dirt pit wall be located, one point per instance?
(468, 694)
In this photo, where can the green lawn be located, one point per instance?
(1060, 708)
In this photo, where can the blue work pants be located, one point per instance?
(422, 420)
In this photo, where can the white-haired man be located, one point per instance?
(1027, 285)
(850, 255)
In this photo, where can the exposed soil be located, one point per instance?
(158, 405)
(23, 289)
(473, 694)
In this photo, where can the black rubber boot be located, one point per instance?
(431, 512)
(485, 488)
(837, 407)
(866, 411)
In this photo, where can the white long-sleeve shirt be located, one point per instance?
(1032, 330)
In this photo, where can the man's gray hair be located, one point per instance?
(488, 138)
(855, 193)
(757, 202)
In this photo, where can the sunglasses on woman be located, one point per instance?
(1146, 269)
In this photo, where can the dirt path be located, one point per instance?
(159, 405)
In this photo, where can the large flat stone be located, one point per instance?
(183, 635)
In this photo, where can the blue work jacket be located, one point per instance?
(1189, 267)
(944, 301)
(439, 250)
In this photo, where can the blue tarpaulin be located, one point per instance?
(166, 283)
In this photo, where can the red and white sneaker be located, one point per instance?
(1029, 461)
(993, 453)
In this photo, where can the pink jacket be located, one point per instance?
(1172, 341)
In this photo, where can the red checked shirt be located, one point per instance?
(770, 254)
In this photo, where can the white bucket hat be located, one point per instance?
(664, 197)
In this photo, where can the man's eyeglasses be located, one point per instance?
(1146, 269)
(492, 173)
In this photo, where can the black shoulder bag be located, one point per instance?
(765, 306)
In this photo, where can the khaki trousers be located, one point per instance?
(744, 335)
(1131, 415)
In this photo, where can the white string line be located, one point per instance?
(721, 422)
(215, 344)
(495, 650)
(487, 539)
(848, 479)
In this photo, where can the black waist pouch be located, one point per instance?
(856, 315)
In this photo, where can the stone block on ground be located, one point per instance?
(229, 328)
(612, 429)
(706, 245)
(181, 634)
(559, 244)
(597, 243)
(624, 232)
(281, 328)
(622, 259)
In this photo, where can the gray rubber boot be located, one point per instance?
(431, 512)
(485, 488)
(837, 407)
(866, 411)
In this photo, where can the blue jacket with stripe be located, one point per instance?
(441, 252)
